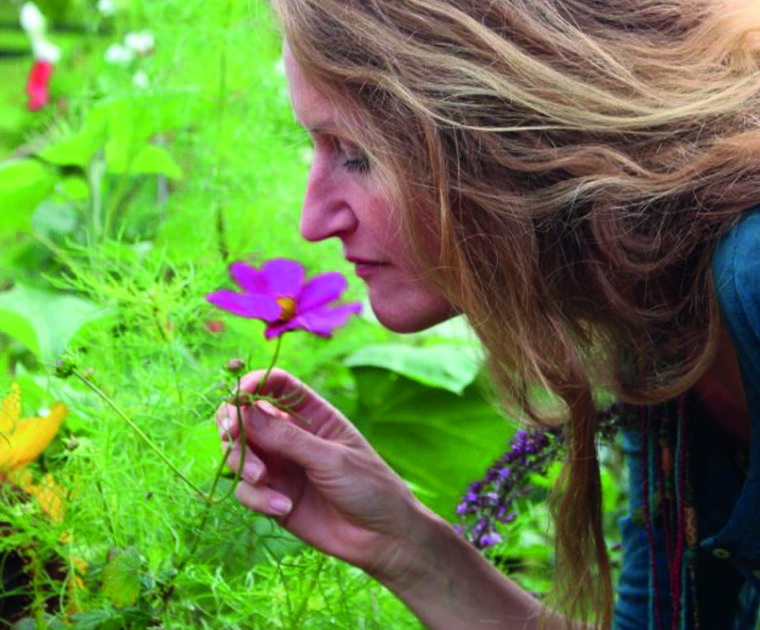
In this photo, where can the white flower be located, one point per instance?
(141, 79)
(106, 7)
(32, 20)
(142, 43)
(279, 67)
(46, 51)
(118, 54)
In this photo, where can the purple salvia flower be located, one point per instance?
(489, 502)
(489, 540)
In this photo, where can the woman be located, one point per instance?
(576, 178)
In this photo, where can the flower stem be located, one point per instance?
(209, 499)
(272, 363)
(138, 430)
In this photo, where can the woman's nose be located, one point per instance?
(326, 210)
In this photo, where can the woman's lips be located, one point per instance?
(366, 268)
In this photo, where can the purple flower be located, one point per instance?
(488, 506)
(489, 540)
(278, 295)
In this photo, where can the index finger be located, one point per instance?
(298, 401)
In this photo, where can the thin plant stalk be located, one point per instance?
(209, 499)
(137, 430)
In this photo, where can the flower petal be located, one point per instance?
(284, 277)
(248, 278)
(322, 322)
(246, 305)
(319, 291)
(30, 438)
(276, 330)
(10, 410)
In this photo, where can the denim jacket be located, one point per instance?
(727, 492)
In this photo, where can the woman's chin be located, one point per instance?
(412, 318)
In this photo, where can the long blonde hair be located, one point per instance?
(575, 161)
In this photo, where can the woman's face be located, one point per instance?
(344, 200)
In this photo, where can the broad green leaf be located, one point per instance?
(78, 148)
(73, 188)
(54, 317)
(149, 159)
(122, 125)
(121, 577)
(432, 437)
(97, 619)
(445, 366)
(18, 327)
(75, 150)
(132, 123)
(23, 184)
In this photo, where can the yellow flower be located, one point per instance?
(21, 441)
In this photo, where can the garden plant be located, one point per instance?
(150, 182)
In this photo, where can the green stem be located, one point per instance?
(139, 431)
(221, 116)
(305, 601)
(95, 172)
(209, 499)
(263, 381)
(57, 251)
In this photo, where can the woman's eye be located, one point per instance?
(357, 165)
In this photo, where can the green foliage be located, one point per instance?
(121, 577)
(23, 185)
(44, 321)
(123, 129)
(435, 438)
(444, 366)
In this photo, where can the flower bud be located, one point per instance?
(235, 366)
(64, 368)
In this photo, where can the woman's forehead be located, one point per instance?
(312, 109)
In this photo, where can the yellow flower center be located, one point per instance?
(288, 306)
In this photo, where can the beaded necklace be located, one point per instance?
(668, 497)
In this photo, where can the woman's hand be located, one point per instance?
(345, 501)
(322, 481)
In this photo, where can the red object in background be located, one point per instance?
(37, 86)
(215, 326)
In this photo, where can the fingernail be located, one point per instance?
(226, 426)
(251, 471)
(266, 407)
(280, 504)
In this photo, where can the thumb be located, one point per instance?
(274, 431)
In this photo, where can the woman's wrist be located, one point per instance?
(449, 585)
(407, 560)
